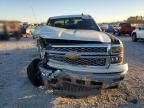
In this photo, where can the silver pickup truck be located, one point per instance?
(75, 52)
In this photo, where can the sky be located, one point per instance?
(40, 10)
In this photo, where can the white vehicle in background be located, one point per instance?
(138, 34)
(104, 26)
(29, 30)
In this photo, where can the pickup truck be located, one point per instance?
(124, 28)
(75, 52)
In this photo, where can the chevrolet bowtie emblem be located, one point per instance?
(72, 56)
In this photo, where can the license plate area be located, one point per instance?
(82, 82)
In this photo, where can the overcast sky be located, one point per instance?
(40, 10)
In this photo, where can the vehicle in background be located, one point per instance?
(138, 34)
(3, 32)
(107, 28)
(110, 29)
(115, 26)
(10, 29)
(104, 26)
(29, 30)
(124, 28)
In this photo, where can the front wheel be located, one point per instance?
(134, 37)
(34, 74)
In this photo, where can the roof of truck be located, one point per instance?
(72, 16)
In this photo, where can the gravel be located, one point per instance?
(17, 92)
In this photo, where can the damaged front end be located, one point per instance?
(79, 65)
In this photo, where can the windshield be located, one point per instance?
(74, 23)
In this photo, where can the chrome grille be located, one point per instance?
(88, 55)
(80, 49)
(82, 61)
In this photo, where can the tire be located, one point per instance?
(134, 37)
(34, 74)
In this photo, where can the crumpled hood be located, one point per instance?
(48, 32)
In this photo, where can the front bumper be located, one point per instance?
(83, 76)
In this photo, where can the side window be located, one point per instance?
(56, 23)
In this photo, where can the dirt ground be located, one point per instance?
(17, 92)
